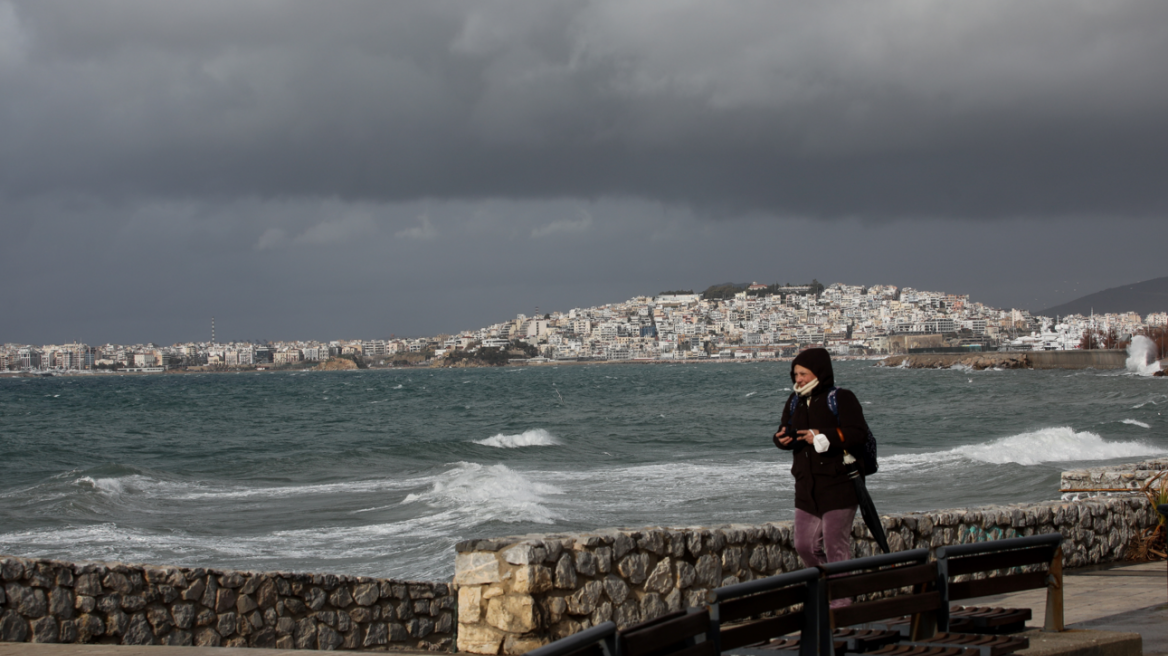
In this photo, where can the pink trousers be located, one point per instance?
(825, 539)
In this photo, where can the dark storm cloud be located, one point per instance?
(990, 109)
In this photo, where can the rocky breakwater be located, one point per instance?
(515, 594)
(976, 361)
(52, 601)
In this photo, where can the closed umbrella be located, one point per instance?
(867, 507)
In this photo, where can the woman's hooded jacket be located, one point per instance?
(821, 479)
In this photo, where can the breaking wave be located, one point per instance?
(533, 437)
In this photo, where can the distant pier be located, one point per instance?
(1082, 359)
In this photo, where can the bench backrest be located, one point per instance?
(986, 557)
(778, 596)
(886, 573)
(599, 640)
(680, 633)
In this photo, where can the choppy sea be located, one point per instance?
(381, 472)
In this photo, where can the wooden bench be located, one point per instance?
(599, 640)
(982, 558)
(878, 582)
(767, 609)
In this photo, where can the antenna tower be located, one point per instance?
(212, 330)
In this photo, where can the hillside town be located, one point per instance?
(740, 322)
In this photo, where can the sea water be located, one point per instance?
(381, 472)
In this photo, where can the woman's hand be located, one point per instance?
(782, 439)
(807, 436)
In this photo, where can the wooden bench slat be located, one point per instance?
(899, 577)
(747, 634)
(870, 611)
(736, 609)
(1000, 560)
(996, 585)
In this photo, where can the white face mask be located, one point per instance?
(806, 389)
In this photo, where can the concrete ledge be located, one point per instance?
(1083, 643)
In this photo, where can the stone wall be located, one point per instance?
(51, 601)
(518, 593)
(1086, 359)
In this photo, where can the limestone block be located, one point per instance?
(420, 627)
(61, 603)
(524, 553)
(264, 639)
(684, 574)
(622, 545)
(328, 639)
(194, 592)
(554, 608)
(470, 600)
(13, 628)
(479, 639)
(342, 598)
(585, 600)
(512, 613)
(265, 595)
(565, 577)
(45, 629)
(634, 567)
(522, 644)
(305, 634)
(616, 590)
(295, 606)
(231, 580)
(138, 631)
(29, 602)
(552, 549)
(314, 597)
(674, 600)
(226, 624)
(694, 544)
(586, 563)
(287, 643)
(11, 569)
(716, 541)
(133, 603)
(363, 614)
(118, 582)
(675, 544)
(476, 567)
(328, 617)
(660, 580)
(116, 623)
(89, 627)
(604, 559)
(183, 615)
(652, 607)
(88, 584)
(533, 579)
(652, 541)
(444, 623)
(160, 620)
(774, 555)
(709, 571)
(245, 604)
(603, 613)
(397, 632)
(285, 626)
(696, 597)
(627, 614)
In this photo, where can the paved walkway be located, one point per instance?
(1124, 598)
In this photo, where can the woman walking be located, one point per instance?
(825, 497)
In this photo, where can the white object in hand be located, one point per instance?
(821, 443)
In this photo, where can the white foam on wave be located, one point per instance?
(483, 493)
(1141, 356)
(750, 394)
(1135, 422)
(145, 486)
(533, 437)
(1058, 444)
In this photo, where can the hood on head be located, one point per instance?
(818, 360)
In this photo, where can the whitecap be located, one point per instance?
(486, 493)
(750, 394)
(1135, 422)
(533, 437)
(397, 386)
(1057, 444)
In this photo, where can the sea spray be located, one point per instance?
(1141, 356)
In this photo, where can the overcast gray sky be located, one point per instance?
(324, 170)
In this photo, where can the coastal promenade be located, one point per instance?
(1100, 604)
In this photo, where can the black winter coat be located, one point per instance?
(821, 480)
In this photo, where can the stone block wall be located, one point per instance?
(515, 594)
(52, 601)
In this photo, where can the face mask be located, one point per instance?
(806, 389)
